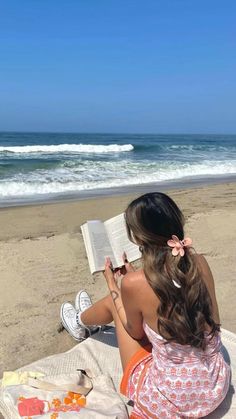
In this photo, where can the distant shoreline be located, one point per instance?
(184, 183)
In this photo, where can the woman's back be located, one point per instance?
(145, 298)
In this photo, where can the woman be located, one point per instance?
(171, 305)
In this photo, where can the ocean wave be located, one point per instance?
(68, 148)
(199, 147)
(68, 180)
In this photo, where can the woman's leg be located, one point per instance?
(103, 312)
(99, 313)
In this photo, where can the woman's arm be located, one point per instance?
(130, 285)
(130, 316)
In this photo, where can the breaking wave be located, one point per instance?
(69, 148)
(67, 179)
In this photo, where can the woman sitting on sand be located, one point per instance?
(166, 318)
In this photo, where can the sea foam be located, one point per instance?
(119, 174)
(69, 148)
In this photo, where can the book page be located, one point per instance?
(117, 233)
(97, 245)
(88, 247)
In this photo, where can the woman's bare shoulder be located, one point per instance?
(207, 277)
(204, 269)
(202, 264)
(133, 277)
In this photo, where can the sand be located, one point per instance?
(43, 264)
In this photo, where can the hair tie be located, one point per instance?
(179, 245)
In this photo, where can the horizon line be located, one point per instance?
(112, 133)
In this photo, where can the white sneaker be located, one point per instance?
(68, 316)
(82, 301)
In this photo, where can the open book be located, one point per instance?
(108, 239)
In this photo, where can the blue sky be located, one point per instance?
(118, 66)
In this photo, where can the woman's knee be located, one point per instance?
(110, 306)
(109, 303)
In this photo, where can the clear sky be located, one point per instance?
(118, 66)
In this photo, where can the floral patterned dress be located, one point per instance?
(176, 381)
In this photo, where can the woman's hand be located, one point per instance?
(109, 273)
(127, 267)
(127, 264)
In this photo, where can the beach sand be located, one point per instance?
(43, 264)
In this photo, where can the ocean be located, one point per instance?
(45, 166)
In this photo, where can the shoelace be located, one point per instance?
(86, 303)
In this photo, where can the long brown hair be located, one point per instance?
(183, 312)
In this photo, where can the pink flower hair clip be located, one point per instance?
(179, 245)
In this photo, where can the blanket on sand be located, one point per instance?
(100, 354)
